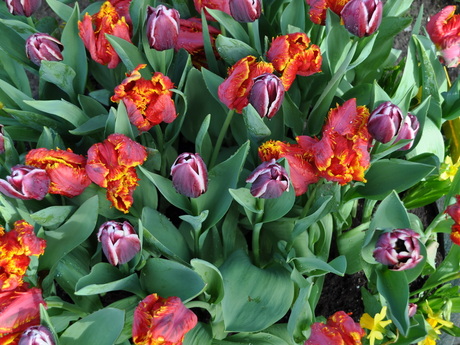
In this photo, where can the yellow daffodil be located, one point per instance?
(449, 169)
(375, 324)
(436, 322)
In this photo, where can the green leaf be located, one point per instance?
(100, 328)
(168, 278)
(257, 129)
(222, 177)
(93, 125)
(17, 96)
(290, 16)
(232, 50)
(52, 216)
(200, 334)
(244, 197)
(212, 278)
(165, 235)
(13, 44)
(128, 53)
(276, 208)
(212, 82)
(61, 9)
(252, 339)
(251, 307)
(60, 75)
(72, 233)
(230, 24)
(393, 286)
(105, 278)
(317, 267)
(122, 123)
(166, 188)
(62, 109)
(203, 144)
(302, 314)
(33, 119)
(75, 53)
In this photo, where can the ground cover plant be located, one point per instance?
(191, 172)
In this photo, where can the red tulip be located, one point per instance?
(162, 27)
(159, 320)
(362, 17)
(26, 182)
(269, 180)
(318, 9)
(41, 46)
(221, 5)
(189, 175)
(245, 11)
(267, 94)
(65, 169)
(23, 7)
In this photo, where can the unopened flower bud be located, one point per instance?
(408, 130)
(41, 46)
(245, 11)
(362, 17)
(267, 94)
(23, 7)
(454, 210)
(2, 140)
(189, 175)
(399, 249)
(412, 309)
(269, 180)
(26, 182)
(162, 27)
(120, 243)
(385, 121)
(36, 335)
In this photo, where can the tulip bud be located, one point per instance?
(362, 17)
(399, 249)
(269, 180)
(454, 210)
(41, 46)
(2, 140)
(408, 130)
(162, 27)
(245, 11)
(385, 121)
(412, 309)
(120, 243)
(189, 175)
(267, 95)
(36, 335)
(23, 7)
(26, 182)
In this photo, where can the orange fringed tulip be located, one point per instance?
(111, 164)
(340, 329)
(444, 30)
(234, 91)
(318, 9)
(342, 154)
(148, 102)
(65, 169)
(94, 28)
(19, 309)
(292, 55)
(16, 247)
(302, 171)
(164, 321)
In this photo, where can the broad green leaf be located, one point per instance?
(93, 125)
(71, 234)
(168, 278)
(105, 278)
(122, 123)
(230, 24)
(244, 197)
(212, 278)
(60, 75)
(431, 141)
(393, 286)
(302, 314)
(203, 144)
(396, 8)
(52, 216)
(165, 235)
(232, 50)
(222, 177)
(317, 267)
(91, 106)
(17, 96)
(33, 120)
(251, 307)
(200, 334)
(257, 129)
(276, 208)
(62, 109)
(290, 16)
(252, 339)
(448, 268)
(166, 188)
(212, 82)
(13, 44)
(100, 328)
(129, 54)
(61, 9)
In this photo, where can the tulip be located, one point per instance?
(454, 210)
(269, 180)
(412, 309)
(120, 243)
(399, 249)
(189, 175)
(20, 309)
(245, 11)
(362, 17)
(385, 122)
(65, 169)
(2, 140)
(159, 320)
(37, 335)
(23, 7)
(26, 182)
(267, 95)
(41, 46)
(221, 5)
(318, 9)
(162, 27)
(408, 130)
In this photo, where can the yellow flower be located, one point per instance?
(375, 324)
(436, 322)
(449, 169)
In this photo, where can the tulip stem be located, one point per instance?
(256, 232)
(253, 29)
(220, 138)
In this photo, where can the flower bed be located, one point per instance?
(221, 172)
